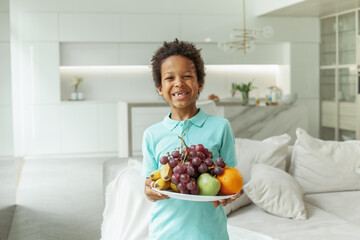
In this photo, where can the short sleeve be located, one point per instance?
(227, 150)
(149, 163)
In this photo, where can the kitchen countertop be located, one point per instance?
(247, 121)
(224, 102)
(161, 102)
(265, 121)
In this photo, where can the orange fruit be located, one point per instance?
(231, 181)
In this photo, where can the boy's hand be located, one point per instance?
(151, 194)
(225, 202)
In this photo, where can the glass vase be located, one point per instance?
(245, 97)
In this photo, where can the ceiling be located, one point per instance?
(315, 8)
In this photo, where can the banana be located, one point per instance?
(161, 184)
(174, 187)
(155, 175)
(166, 172)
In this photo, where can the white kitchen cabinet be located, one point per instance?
(213, 55)
(40, 72)
(328, 114)
(137, 53)
(264, 54)
(149, 28)
(6, 130)
(89, 54)
(67, 128)
(347, 116)
(79, 130)
(98, 27)
(106, 54)
(39, 27)
(4, 27)
(108, 134)
(42, 129)
(216, 28)
(5, 75)
(89, 27)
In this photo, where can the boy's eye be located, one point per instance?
(169, 78)
(188, 76)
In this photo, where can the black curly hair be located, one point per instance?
(177, 48)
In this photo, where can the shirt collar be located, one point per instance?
(197, 120)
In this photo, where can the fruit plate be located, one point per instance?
(189, 197)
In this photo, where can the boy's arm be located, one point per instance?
(227, 150)
(149, 165)
(149, 162)
(150, 193)
(228, 153)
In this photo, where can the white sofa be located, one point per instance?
(329, 214)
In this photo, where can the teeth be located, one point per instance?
(179, 94)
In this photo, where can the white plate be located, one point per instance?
(189, 197)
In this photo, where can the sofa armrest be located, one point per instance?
(112, 167)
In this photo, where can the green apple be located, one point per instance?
(208, 185)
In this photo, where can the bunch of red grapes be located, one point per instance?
(189, 164)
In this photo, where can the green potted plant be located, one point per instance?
(244, 89)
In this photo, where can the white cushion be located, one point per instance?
(276, 192)
(343, 204)
(320, 225)
(271, 151)
(325, 166)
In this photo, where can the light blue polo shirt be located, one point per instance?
(180, 219)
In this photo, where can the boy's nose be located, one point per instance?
(179, 82)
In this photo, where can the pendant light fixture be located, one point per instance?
(242, 39)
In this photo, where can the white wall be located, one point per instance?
(305, 80)
(7, 162)
(44, 30)
(6, 124)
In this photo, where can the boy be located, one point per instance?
(178, 73)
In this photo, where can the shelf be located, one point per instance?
(328, 67)
(348, 31)
(346, 135)
(348, 50)
(344, 101)
(347, 84)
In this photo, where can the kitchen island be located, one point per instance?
(253, 122)
(260, 122)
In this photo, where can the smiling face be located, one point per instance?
(179, 84)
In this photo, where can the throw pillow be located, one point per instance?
(276, 192)
(325, 166)
(271, 151)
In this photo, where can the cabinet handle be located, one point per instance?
(359, 83)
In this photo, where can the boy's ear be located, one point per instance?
(159, 89)
(201, 87)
